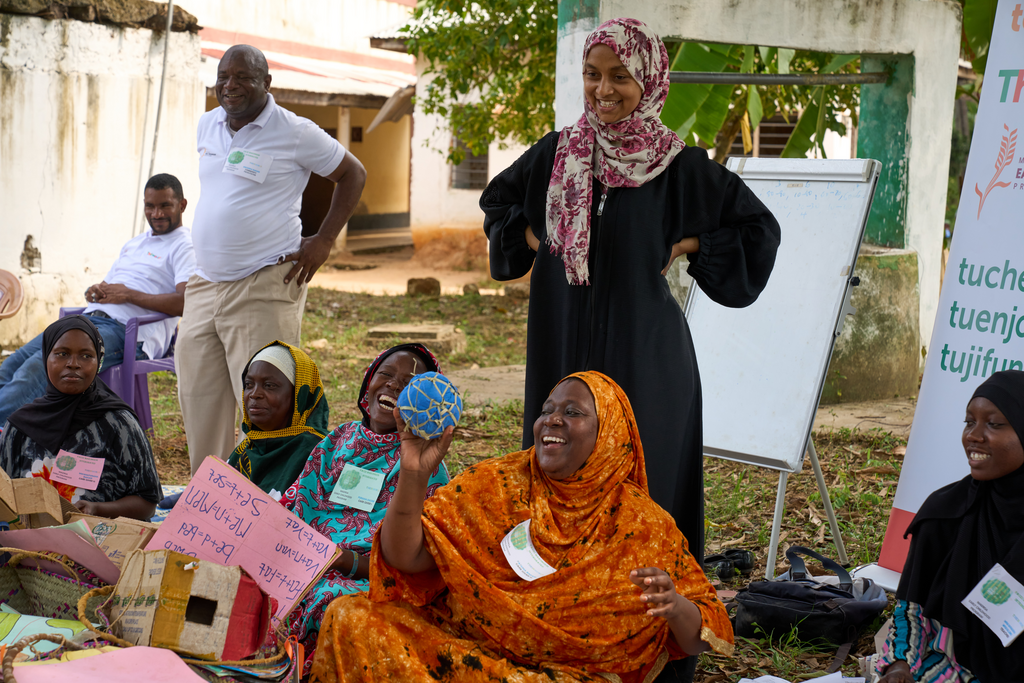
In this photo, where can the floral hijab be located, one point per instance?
(627, 153)
(272, 460)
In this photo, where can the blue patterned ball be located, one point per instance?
(429, 404)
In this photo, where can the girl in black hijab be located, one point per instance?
(80, 415)
(959, 534)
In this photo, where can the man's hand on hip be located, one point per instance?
(312, 253)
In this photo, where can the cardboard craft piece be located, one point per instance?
(66, 542)
(118, 537)
(223, 517)
(166, 599)
(34, 500)
(130, 665)
(14, 627)
(8, 506)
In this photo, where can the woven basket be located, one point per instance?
(46, 594)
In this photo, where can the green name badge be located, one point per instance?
(357, 488)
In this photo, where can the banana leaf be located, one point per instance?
(979, 16)
(700, 108)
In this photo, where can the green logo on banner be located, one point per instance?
(235, 157)
(996, 592)
(349, 479)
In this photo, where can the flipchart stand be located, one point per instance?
(763, 367)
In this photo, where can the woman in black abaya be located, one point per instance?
(614, 199)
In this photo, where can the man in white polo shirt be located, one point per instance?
(149, 275)
(252, 261)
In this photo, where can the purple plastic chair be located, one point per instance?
(130, 380)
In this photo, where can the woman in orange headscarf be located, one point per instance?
(612, 589)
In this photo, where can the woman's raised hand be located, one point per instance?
(659, 592)
(418, 454)
(662, 600)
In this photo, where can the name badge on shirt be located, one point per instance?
(248, 164)
(79, 471)
(357, 488)
(998, 600)
(522, 556)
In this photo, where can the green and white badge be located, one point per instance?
(248, 164)
(998, 600)
(357, 488)
(522, 556)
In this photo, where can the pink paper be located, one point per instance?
(65, 541)
(223, 517)
(76, 470)
(131, 665)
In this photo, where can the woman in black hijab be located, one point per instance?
(81, 416)
(959, 534)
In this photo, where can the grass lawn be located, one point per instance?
(860, 468)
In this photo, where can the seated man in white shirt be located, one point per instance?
(148, 276)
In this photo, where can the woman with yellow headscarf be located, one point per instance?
(550, 564)
(284, 416)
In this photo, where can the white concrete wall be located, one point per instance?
(434, 204)
(77, 110)
(927, 29)
(334, 24)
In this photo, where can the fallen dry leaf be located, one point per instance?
(735, 541)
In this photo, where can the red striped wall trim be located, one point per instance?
(216, 35)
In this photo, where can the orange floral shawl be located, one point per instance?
(594, 528)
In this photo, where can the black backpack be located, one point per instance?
(820, 612)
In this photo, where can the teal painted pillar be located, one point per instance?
(883, 135)
(570, 11)
(576, 19)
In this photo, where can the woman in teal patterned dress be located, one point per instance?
(372, 444)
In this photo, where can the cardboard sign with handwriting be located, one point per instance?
(223, 517)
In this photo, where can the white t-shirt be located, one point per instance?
(154, 264)
(242, 225)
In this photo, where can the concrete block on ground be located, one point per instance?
(424, 286)
(518, 290)
(438, 337)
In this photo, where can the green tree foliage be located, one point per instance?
(493, 73)
(979, 15)
(493, 68)
(713, 115)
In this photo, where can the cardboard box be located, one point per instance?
(117, 537)
(167, 599)
(7, 499)
(34, 500)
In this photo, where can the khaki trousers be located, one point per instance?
(223, 325)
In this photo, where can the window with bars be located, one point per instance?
(471, 174)
(769, 138)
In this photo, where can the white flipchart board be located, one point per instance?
(762, 368)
